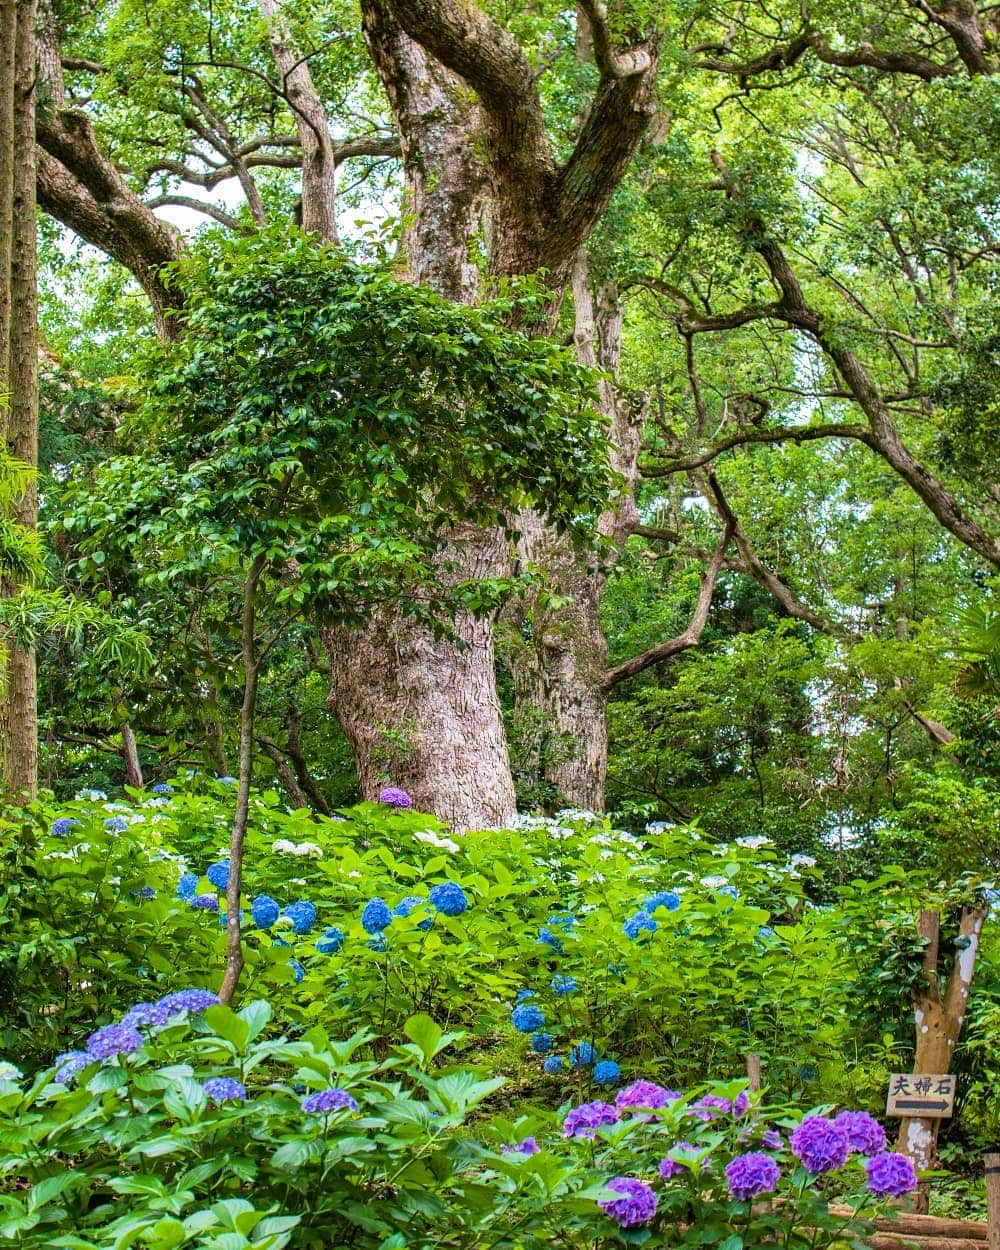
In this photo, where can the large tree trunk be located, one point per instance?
(19, 700)
(560, 659)
(419, 711)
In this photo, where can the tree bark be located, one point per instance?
(19, 701)
(130, 756)
(422, 712)
(560, 671)
(318, 164)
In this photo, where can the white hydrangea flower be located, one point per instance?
(714, 883)
(9, 1071)
(433, 839)
(753, 842)
(802, 861)
(90, 796)
(310, 849)
(659, 826)
(283, 847)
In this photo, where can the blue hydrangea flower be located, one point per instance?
(375, 916)
(71, 1064)
(302, 915)
(113, 1039)
(527, 1018)
(548, 938)
(553, 1065)
(563, 985)
(331, 941)
(541, 1043)
(662, 898)
(641, 922)
(162, 787)
(379, 943)
(394, 797)
(328, 1100)
(729, 890)
(187, 885)
(406, 905)
(62, 826)
(298, 970)
(582, 1055)
(224, 1089)
(226, 781)
(523, 996)
(144, 892)
(564, 920)
(146, 1015)
(607, 1072)
(449, 899)
(218, 874)
(116, 824)
(264, 911)
(205, 902)
(187, 1000)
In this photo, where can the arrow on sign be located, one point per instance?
(921, 1104)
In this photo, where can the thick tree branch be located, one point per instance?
(612, 64)
(683, 641)
(783, 55)
(744, 437)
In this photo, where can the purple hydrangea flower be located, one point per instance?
(144, 892)
(331, 941)
(527, 1147)
(449, 899)
(865, 1134)
(224, 1089)
(710, 1107)
(187, 885)
(541, 1043)
(302, 915)
(113, 1039)
(562, 985)
(641, 922)
(582, 1055)
(218, 874)
(527, 1018)
(585, 1120)
(553, 1065)
(645, 1094)
(187, 1000)
(741, 1104)
(328, 1100)
(71, 1064)
(669, 1168)
(821, 1144)
(890, 1174)
(635, 1207)
(62, 826)
(116, 824)
(394, 797)
(771, 1139)
(752, 1174)
(375, 916)
(264, 911)
(607, 1072)
(205, 902)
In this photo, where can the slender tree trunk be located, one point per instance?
(19, 701)
(8, 29)
(130, 756)
(248, 711)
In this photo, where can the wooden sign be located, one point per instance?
(918, 1094)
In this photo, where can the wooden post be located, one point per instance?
(991, 1164)
(938, 1014)
(753, 1074)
